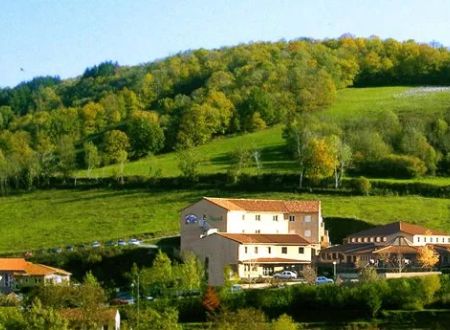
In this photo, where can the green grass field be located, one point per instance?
(350, 103)
(55, 218)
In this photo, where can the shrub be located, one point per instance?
(361, 185)
(397, 166)
(284, 322)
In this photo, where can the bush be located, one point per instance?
(396, 166)
(361, 185)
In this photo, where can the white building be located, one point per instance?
(254, 237)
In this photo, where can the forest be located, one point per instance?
(112, 114)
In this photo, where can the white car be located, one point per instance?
(285, 275)
(134, 241)
(323, 280)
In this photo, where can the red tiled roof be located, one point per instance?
(41, 270)
(286, 239)
(24, 268)
(396, 227)
(275, 261)
(12, 264)
(265, 205)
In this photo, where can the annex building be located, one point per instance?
(254, 237)
(389, 246)
(17, 273)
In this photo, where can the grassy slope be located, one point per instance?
(60, 217)
(350, 103)
(56, 218)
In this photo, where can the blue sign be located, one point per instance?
(190, 218)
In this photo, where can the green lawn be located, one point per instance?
(351, 103)
(53, 218)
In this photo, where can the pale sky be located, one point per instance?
(63, 37)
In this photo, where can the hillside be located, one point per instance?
(352, 104)
(114, 114)
(56, 218)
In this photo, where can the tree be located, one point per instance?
(320, 161)
(42, 318)
(210, 301)
(150, 318)
(65, 153)
(342, 154)
(427, 256)
(91, 298)
(190, 274)
(116, 145)
(284, 322)
(309, 274)
(242, 157)
(146, 136)
(91, 157)
(368, 274)
(188, 162)
(160, 276)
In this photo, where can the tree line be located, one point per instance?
(113, 113)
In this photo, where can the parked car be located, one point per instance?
(323, 280)
(134, 241)
(96, 244)
(285, 275)
(121, 242)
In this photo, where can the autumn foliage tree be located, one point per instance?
(210, 300)
(427, 257)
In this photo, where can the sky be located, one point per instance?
(64, 37)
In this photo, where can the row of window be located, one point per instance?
(433, 239)
(307, 232)
(307, 218)
(301, 250)
(368, 239)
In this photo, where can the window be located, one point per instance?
(301, 250)
(353, 240)
(307, 218)
(292, 218)
(245, 249)
(378, 239)
(431, 239)
(258, 231)
(258, 217)
(425, 239)
(243, 217)
(365, 239)
(243, 231)
(275, 218)
(256, 250)
(307, 233)
(384, 239)
(443, 240)
(448, 240)
(284, 250)
(372, 239)
(269, 250)
(418, 239)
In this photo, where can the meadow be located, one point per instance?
(351, 103)
(56, 218)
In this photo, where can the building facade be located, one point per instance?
(17, 273)
(255, 238)
(391, 245)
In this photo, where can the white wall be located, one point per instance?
(249, 225)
